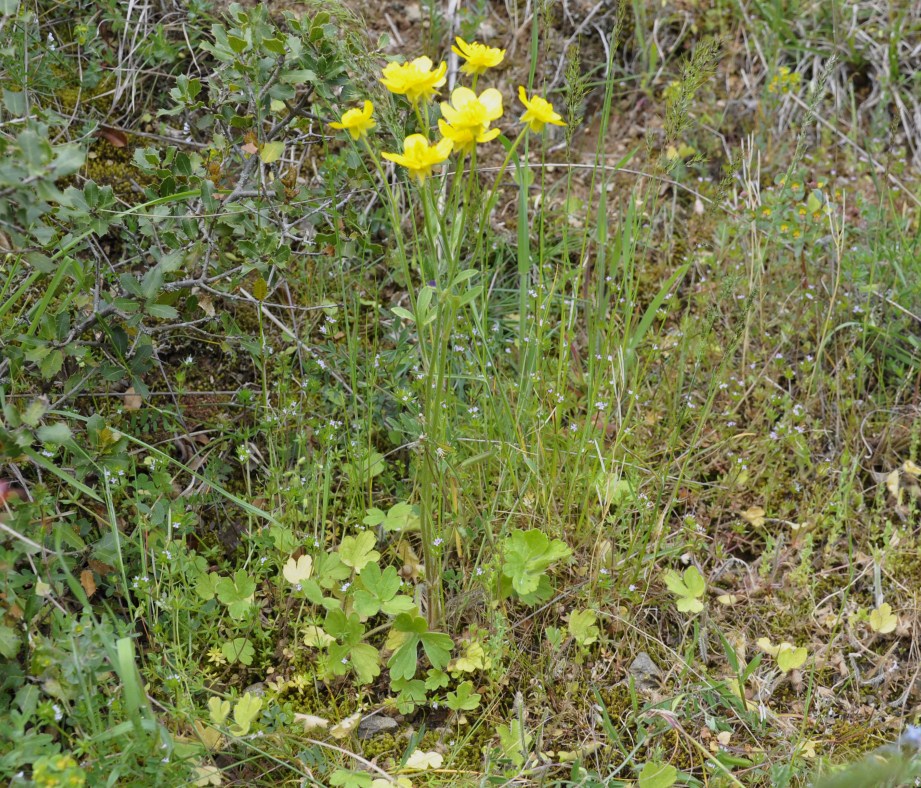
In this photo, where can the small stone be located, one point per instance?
(375, 724)
(645, 672)
(258, 689)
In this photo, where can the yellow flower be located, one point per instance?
(415, 80)
(357, 122)
(465, 121)
(419, 156)
(539, 112)
(479, 57)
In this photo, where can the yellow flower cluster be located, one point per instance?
(466, 119)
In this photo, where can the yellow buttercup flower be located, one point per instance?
(416, 80)
(357, 121)
(539, 112)
(419, 156)
(479, 57)
(466, 119)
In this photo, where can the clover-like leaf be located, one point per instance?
(239, 650)
(218, 710)
(789, 657)
(378, 592)
(400, 517)
(464, 698)
(296, 572)
(358, 551)
(883, 620)
(244, 713)
(528, 555)
(413, 631)
(582, 626)
(688, 590)
(420, 761)
(236, 593)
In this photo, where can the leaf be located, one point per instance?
(366, 662)
(88, 582)
(316, 637)
(210, 737)
(464, 698)
(311, 722)
(296, 572)
(344, 728)
(754, 515)
(239, 650)
(115, 137)
(473, 659)
(883, 620)
(437, 646)
(687, 590)
(400, 311)
(658, 775)
(358, 551)
(582, 627)
(132, 399)
(218, 710)
(237, 593)
(420, 761)
(10, 642)
(789, 657)
(244, 713)
(527, 555)
(271, 152)
(379, 592)
(514, 742)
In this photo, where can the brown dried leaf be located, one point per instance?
(207, 306)
(100, 568)
(116, 138)
(133, 400)
(88, 582)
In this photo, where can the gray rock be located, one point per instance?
(375, 724)
(646, 674)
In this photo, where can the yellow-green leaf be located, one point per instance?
(271, 152)
(883, 620)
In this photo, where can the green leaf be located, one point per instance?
(437, 646)
(379, 592)
(658, 775)
(582, 627)
(687, 590)
(790, 658)
(56, 433)
(10, 642)
(527, 555)
(400, 311)
(244, 713)
(358, 551)
(239, 650)
(366, 661)
(464, 698)
(218, 710)
(514, 742)
(237, 594)
(206, 585)
(271, 152)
